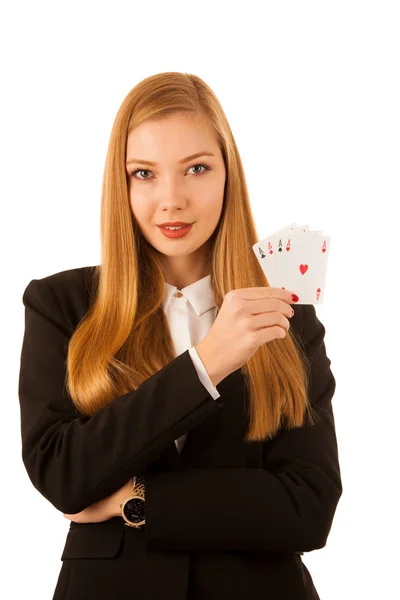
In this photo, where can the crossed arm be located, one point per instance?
(83, 465)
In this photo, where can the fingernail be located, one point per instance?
(292, 312)
(295, 298)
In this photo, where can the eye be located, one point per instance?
(205, 167)
(133, 174)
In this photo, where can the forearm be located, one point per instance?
(75, 460)
(204, 510)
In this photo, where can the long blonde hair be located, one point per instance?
(124, 338)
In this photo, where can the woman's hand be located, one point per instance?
(103, 509)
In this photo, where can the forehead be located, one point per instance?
(170, 138)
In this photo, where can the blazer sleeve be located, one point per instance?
(288, 505)
(74, 460)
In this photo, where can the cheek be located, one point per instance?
(141, 209)
(212, 199)
(211, 208)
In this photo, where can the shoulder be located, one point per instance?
(64, 295)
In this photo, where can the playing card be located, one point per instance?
(296, 260)
(265, 250)
(302, 266)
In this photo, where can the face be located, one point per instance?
(176, 188)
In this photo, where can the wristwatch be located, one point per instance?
(133, 507)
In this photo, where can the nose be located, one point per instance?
(171, 192)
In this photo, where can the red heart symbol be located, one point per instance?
(303, 269)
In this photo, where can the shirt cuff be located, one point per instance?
(202, 373)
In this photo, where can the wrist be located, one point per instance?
(215, 372)
(133, 507)
(123, 494)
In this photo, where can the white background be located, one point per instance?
(311, 91)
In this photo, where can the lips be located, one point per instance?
(176, 233)
(177, 224)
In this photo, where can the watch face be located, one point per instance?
(134, 510)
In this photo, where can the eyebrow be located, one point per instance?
(183, 160)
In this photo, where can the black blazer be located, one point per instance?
(224, 519)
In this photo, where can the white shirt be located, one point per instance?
(191, 312)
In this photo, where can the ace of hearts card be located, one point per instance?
(295, 258)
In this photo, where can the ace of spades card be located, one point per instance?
(295, 258)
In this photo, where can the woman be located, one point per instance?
(167, 408)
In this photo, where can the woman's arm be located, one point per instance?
(73, 460)
(104, 509)
(288, 505)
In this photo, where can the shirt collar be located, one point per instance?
(199, 294)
